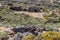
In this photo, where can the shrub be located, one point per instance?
(51, 36)
(28, 37)
(3, 34)
(38, 37)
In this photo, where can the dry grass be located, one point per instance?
(34, 14)
(2, 29)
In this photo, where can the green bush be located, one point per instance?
(28, 37)
(38, 37)
(3, 34)
(51, 36)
